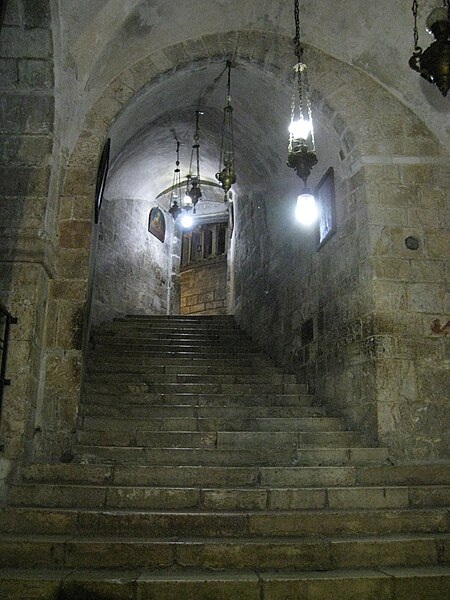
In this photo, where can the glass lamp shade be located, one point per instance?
(306, 209)
(187, 200)
(300, 128)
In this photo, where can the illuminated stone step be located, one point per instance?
(217, 524)
(390, 583)
(118, 424)
(212, 553)
(225, 499)
(226, 457)
(427, 477)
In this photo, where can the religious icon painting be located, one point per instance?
(157, 224)
(325, 198)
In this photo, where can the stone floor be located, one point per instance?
(203, 471)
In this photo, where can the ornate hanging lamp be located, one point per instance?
(193, 189)
(301, 148)
(226, 175)
(433, 64)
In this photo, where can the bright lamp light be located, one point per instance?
(306, 210)
(187, 221)
(300, 128)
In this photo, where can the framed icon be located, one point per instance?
(325, 198)
(157, 224)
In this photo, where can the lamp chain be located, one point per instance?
(417, 48)
(176, 177)
(298, 45)
(299, 68)
(227, 138)
(197, 144)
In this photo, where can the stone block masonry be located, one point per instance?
(204, 288)
(26, 254)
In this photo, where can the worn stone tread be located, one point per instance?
(429, 583)
(254, 497)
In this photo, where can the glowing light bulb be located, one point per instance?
(187, 200)
(300, 128)
(306, 210)
(187, 221)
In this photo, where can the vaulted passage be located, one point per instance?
(247, 407)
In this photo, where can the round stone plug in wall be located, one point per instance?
(412, 243)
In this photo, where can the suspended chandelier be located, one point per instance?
(301, 148)
(433, 64)
(193, 189)
(226, 175)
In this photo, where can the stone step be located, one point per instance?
(123, 360)
(181, 321)
(115, 344)
(171, 330)
(195, 318)
(168, 378)
(216, 524)
(216, 340)
(228, 499)
(215, 554)
(186, 369)
(426, 476)
(112, 407)
(389, 583)
(166, 350)
(118, 424)
(154, 333)
(221, 440)
(265, 389)
(130, 356)
(192, 398)
(229, 457)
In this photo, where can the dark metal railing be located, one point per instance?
(6, 320)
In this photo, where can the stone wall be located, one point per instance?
(409, 251)
(362, 320)
(309, 307)
(204, 288)
(27, 258)
(132, 267)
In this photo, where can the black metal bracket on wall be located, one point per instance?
(4, 341)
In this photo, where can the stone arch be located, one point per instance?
(368, 121)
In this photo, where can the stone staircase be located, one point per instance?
(203, 471)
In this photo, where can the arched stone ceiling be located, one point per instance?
(143, 136)
(100, 38)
